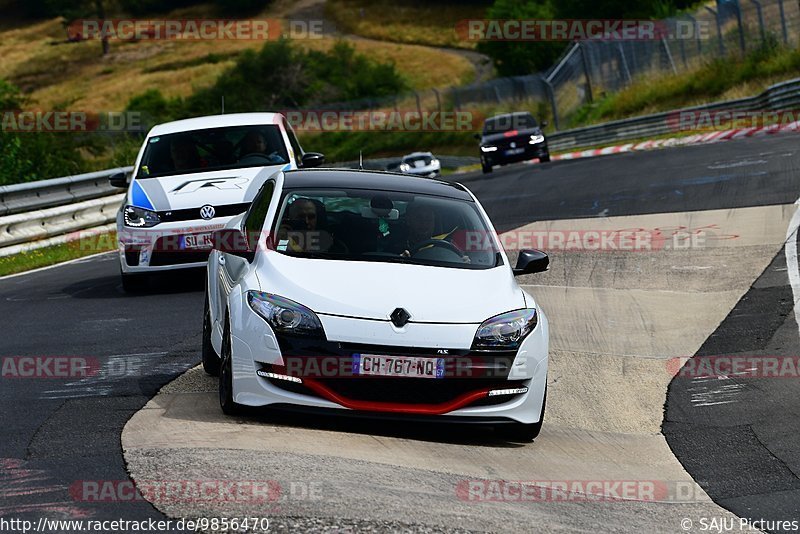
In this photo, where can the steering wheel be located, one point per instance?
(438, 243)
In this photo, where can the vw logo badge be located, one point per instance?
(207, 212)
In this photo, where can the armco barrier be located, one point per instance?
(19, 198)
(780, 97)
(41, 224)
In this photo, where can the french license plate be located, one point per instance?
(514, 151)
(400, 366)
(197, 241)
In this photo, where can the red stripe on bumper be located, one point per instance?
(396, 407)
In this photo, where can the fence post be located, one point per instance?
(741, 27)
(719, 30)
(551, 94)
(625, 68)
(760, 20)
(438, 100)
(585, 59)
(456, 103)
(783, 22)
(669, 55)
(419, 105)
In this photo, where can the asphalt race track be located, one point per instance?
(622, 317)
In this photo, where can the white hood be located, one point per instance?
(373, 289)
(185, 191)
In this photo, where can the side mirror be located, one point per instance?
(232, 241)
(477, 136)
(312, 159)
(118, 179)
(531, 261)
(545, 124)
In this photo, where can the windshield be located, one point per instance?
(365, 225)
(418, 161)
(505, 123)
(213, 149)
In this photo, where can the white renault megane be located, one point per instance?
(374, 294)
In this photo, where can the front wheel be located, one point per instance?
(211, 360)
(545, 159)
(522, 432)
(226, 402)
(486, 168)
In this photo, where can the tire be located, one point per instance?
(521, 432)
(545, 159)
(226, 402)
(486, 168)
(211, 360)
(134, 283)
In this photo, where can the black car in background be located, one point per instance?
(510, 138)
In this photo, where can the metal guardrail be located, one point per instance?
(20, 198)
(780, 97)
(50, 222)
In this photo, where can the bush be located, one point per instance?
(280, 76)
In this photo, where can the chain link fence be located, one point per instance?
(589, 68)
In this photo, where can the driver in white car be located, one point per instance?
(421, 225)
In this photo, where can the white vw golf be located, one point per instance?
(190, 178)
(376, 294)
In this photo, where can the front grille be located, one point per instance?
(192, 214)
(167, 252)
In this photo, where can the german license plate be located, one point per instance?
(514, 151)
(400, 366)
(197, 241)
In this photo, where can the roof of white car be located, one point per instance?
(215, 121)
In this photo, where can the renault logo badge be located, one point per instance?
(400, 317)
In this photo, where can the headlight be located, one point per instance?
(488, 148)
(285, 316)
(505, 331)
(434, 162)
(405, 167)
(140, 217)
(536, 139)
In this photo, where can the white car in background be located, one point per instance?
(190, 178)
(374, 293)
(421, 164)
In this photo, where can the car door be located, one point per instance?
(232, 268)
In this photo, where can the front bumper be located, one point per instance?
(162, 247)
(500, 157)
(326, 381)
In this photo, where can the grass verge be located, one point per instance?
(429, 23)
(720, 79)
(44, 257)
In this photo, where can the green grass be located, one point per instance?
(429, 23)
(719, 79)
(44, 257)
